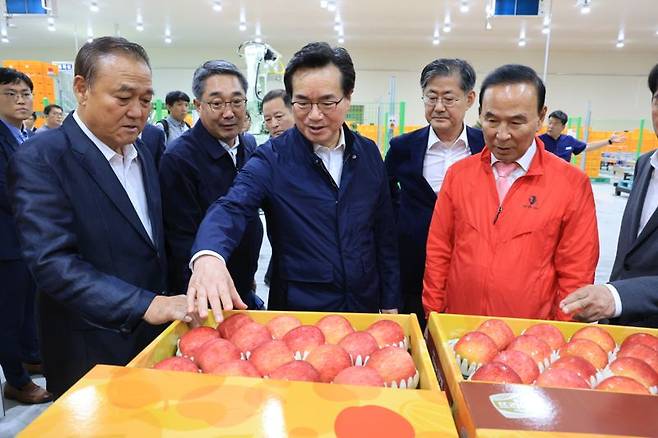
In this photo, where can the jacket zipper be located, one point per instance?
(498, 212)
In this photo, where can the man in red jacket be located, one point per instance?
(514, 228)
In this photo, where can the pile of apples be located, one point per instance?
(284, 348)
(540, 355)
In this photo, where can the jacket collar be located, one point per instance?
(210, 143)
(536, 166)
(349, 140)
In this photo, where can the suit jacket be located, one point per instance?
(154, 139)
(9, 249)
(333, 248)
(194, 172)
(635, 271)
(414, 200)
(95, 266)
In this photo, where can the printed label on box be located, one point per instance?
(521, 405)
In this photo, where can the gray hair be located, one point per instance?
(215, 67)
(449, 67)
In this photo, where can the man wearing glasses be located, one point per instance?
(200, 166)
(18, 338)
(325, 195)
(417, 162)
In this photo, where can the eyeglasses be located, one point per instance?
(325, 106)
(447, 101)
(219, 105)
(13, 95)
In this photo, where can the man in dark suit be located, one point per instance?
(416, 164)
(200, 166)
(18, 338)
(87, 204)
(325, 196)
(154, 139)
(631, 296)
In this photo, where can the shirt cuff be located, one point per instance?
(203, 253)
(617, 298)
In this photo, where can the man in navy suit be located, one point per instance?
(200, 166)
(154, 139)
(87, 205)
(18, 338)
(417, 162)
(325, 196)
(631, 295)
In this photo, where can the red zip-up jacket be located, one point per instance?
(518, 259)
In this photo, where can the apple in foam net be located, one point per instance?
(249, 336)
(177, 363)
(271, 355)
(359, 376)
(393, 364)
(635, 369)
(357, 344)
(304, 338)
(334, 328)
(496, 372)
(576, 363)
(329, 360)
(476, 347)
(622, 384)
(561, 378)
(214, 352)
(598, 335)
(227, 327)
(194, 339)
(298, 370)
(534, 347)
(242, 368)
(281, 325)
(547, 333)
(498, 331)
(641, 338)
(520, 362)
(640, 351)
(386, 332)
(588, 350)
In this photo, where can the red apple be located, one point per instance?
(281, 325)
(177, 363)
(622, 384)
(496, 372)
(642, 338)
(498, 331)
(214, 352)
(520, 362)
(195, 338)
(236, 368)
(576, 363)
(598, 335)
(476, 347)
(635, 369)
(329, 360)
(534, 347)
(387, 332)
(588, 350)
(561, 378)
(359, 345)
(547, 333)
(641, 351)
(303, 339)
(334, 328)
(359, 376)
(394, 365)
(298, 370)
(271, 355)
(249, 336)
(227, 327)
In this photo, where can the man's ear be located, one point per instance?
(542, 115)
(470, 98)
(80, 89)
(197, 104)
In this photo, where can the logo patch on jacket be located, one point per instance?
(532, 202)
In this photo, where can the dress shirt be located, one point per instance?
(17, 133)
(332, 158)
(440, 156)
(232, 150)
(523, 162)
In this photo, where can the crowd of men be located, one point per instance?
(115, 227)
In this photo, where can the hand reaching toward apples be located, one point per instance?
(212, 283)
(164, 309)
(589, 303)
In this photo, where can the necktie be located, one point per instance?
(504, 181)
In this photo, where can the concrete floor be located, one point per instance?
(609, 209)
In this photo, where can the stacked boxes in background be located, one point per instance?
(42, 75)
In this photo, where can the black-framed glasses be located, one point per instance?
(237, 103)
(447, 101)
(324, 106)
(13, 95)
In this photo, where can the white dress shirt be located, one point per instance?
(440, 156)
(232, 150)
(523, 162)
(333, 157)
(128, 170)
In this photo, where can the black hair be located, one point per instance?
(653, 80)
(449, 67)
(278, 94)
(50, 107)
(86, 61)
(11, 76)
(215, 67)
(318, 55)
(560, 115)
(515, 74)
(176, 96)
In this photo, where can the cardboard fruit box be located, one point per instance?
(495, 410)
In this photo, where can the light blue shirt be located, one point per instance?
(15, 132)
